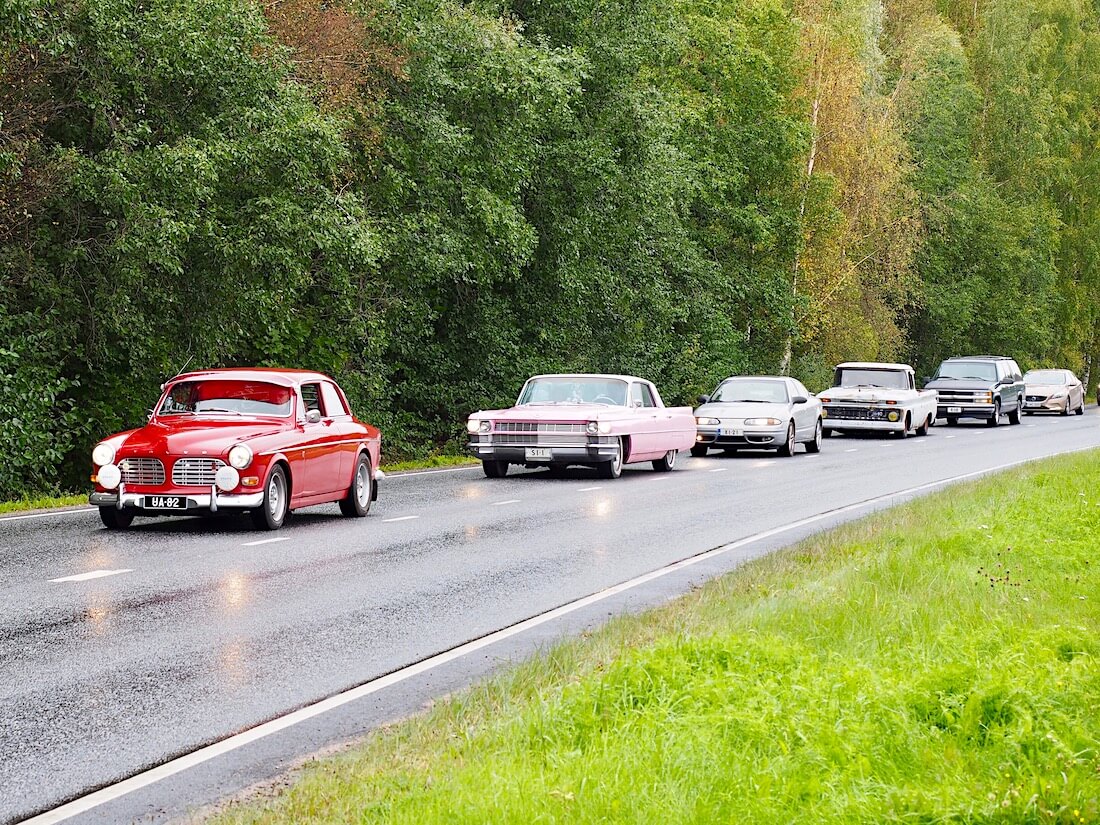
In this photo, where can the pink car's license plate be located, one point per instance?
(538, 454)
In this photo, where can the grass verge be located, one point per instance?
(41, 503)
(429, 462)
(934, 663)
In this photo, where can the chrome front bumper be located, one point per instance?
(209, 502)
(762, 437)
(862, 424)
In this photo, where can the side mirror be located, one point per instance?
(636, 403)
(313, 416)
(800, 399)
(703, 399)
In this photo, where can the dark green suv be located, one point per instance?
(979, 386)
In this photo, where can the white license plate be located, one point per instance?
(538, 454)
(729, 432)
(954, 410)
(165, 503)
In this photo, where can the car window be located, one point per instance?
(217, 396)
(977, 370)
(574, 389)
(647, 396)
(1055, 377)
(870, 377)
(758, 390)
(311, 398)
(334, 404)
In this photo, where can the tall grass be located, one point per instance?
(936, 663)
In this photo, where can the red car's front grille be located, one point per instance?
(144, 471)
(195, 472)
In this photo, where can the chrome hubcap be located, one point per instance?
(670, 457)
(274, 497)
(619, 456)
(362, 484)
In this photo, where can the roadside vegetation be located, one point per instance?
(431, 200)
(42, 503)
(938, 662)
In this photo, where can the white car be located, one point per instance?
(758, 412)
(871, 396)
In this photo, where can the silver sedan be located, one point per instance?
(758, 412)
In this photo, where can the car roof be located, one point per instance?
(589, 375)
(979, 358)
(872, 365)
(757, 377)
(286, 378)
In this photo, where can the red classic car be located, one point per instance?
(265, 441)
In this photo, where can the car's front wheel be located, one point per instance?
(115, 519)
(788, 446)
(699, 450)
(1081, 406)
(1016, 416)
(357, 502)
(276, 504)
(995, 419)
(495, 469)
(614, 467)
(814, 445)
(923, 428)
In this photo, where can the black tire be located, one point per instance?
(614, 467)
(1081, 406)
(700, 450)
(1015, 416)
(924, 427)
(276, 504)
(555, 470)
(115, 519)
(1066, 410)
(952, 421)
(787, 449)
(831, 433)
(730, 451)
(814, 444)
(667, 463)
(356, 503)
(906, 426)
(995, 419)
(495, 469)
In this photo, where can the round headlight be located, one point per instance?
(109, 476)
(240, 456)
(605, 427)
(472, 425)
(485, 426)
(592, 428)
(103, 454)
(227, 479)
(893, 416)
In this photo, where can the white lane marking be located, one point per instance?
(265, 541)
(52, 513)
(1029, 426)
(663, 477)
(949, 436)
(719, 470)
(399, 518)
(499, 503)
(588, 489)
(153, 775)
(852, 450)
(95, 574)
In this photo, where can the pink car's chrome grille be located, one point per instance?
(539, 439)
(147, 471)
(195, 472)
(538, 427)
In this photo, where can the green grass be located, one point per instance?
(936, 663)
(42, 503)
(430, 461)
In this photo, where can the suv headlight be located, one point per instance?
(762, 422)
(708, 422)
(103, 454)
(240, 456)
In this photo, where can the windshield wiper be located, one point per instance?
(219, 410)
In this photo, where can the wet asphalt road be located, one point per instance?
(214, 628)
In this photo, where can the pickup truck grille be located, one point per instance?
(195, 472)
(855, 413)
(147, 471)
(963, 396)
(538, 427)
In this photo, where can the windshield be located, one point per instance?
(866, 377)
(1055, 377)
(751, 390)
(574, 389)
(976, 370)
(219, 397)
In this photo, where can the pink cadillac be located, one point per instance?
(603, 421)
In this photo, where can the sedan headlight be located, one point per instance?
(240, 456)
(762, 422)
(103, 454)
(476, 425)
(708, 422)
(1059, 394)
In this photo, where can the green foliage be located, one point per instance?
(925, 665)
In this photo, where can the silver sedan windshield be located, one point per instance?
(740, 390)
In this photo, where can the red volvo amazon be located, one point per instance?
(256, 440)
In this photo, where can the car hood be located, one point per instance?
(959, 384)
(742, 409)
(556, 413)
(194, 437)
(869, 395)
(1047, 389)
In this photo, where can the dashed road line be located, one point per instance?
(588, 489)
(499, 503)
(94, 574)
(399, 518)
(718, 470)
(265, 541)
(852, 450)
